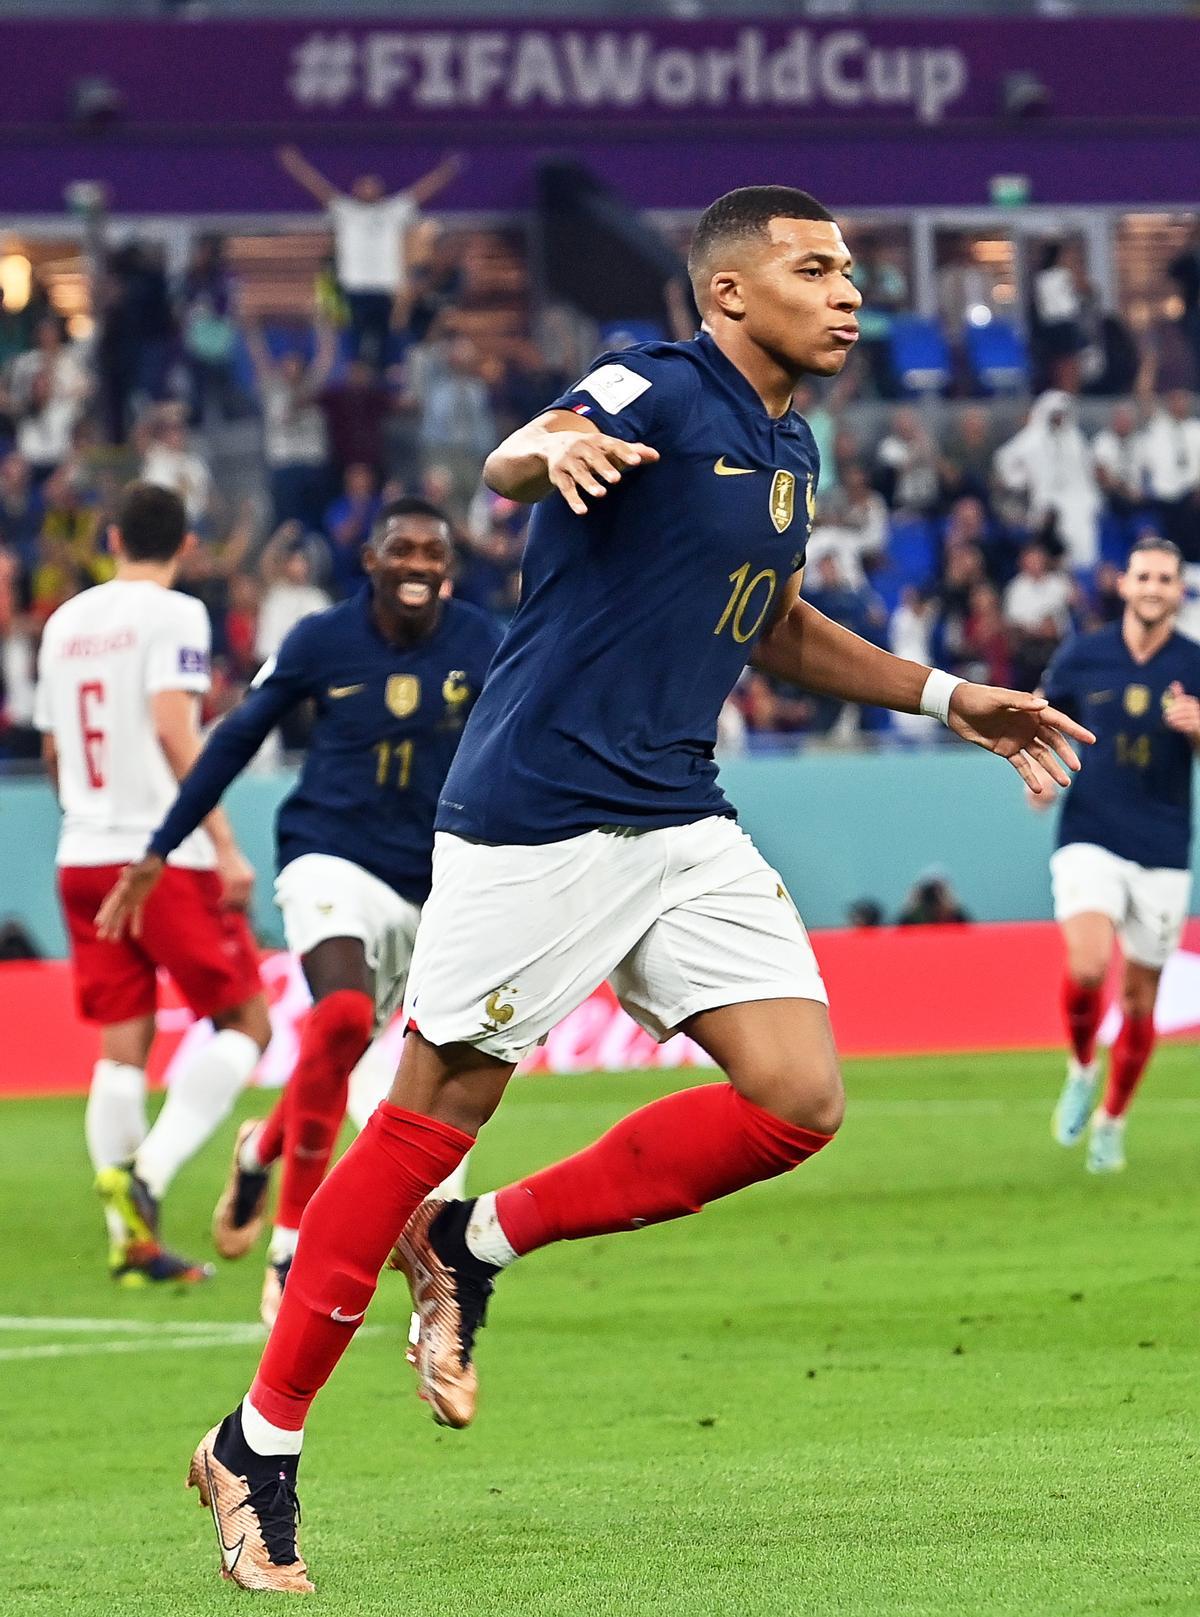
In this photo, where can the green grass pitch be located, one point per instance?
(939, 1371)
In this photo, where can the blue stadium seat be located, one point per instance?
(920, 355)
(998, 357)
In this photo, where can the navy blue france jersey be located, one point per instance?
(1133, 794)
(636, 620)
(388, 721)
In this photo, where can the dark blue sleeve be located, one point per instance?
(633, 394)
(1059, 681)
(282, 682)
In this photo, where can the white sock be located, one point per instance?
(114, 1124)
(196, 1104)
(266, 1439)
(485, 1238)
(248, 1158)
(453, 1187)
(283, 1244)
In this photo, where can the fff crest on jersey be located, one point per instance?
(1137, 700)
(783, 500)
(455, 690)
(402, 694)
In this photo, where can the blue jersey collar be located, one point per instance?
(739, 385)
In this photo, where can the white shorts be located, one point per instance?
(680, 920)
(324, 897)
(1147, 907)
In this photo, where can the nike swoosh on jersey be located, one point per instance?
(230, 1553)
(346, 1319)
(343, 690)
(732, 471)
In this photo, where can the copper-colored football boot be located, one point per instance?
(254, 1509)
(237, 1219)
(450, 1304)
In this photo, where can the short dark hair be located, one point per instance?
(152, 522)
(1152, 541)
(745, 213)
(408, 505)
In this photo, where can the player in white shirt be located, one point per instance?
(369, 231)
(119, 673)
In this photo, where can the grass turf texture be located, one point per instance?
(940, 1370)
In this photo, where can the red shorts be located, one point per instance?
(208, 949)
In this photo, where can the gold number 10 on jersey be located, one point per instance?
(743, 597)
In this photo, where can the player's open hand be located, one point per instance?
(1021, 727)
(237, 878)
(126, 899)
(1182, 712)
(590, 463)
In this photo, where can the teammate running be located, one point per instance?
(1123, 864)
(394, 673)
(119, 673)
(583, 835)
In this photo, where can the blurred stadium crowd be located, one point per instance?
(981, 486)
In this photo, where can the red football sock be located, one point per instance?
(1083, 1009)
(349, 1228)
(1130, 1055)
(667, 1159)
(337, 1032)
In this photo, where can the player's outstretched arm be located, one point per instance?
(564, 451)
(806, 648)
(423, 191)
(204, 774)
(293, 162)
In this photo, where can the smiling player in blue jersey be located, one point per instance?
(393, 674)
(582, 835)
(1123, 863)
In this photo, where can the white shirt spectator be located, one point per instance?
(1055, 295)
(44, 436)
(69, 376)
(368, 242)
(1120, 456)
(294, 431)
(283, 606)
(1050, 463)
(185, 473)
(1169, 450)
(1029, 602)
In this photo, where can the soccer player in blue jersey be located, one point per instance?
(393, 674)
(582, 835)
(1122, 868)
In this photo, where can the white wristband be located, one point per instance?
(935, 698)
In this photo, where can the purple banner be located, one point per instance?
(239, 76)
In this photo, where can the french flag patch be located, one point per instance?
(581, 409)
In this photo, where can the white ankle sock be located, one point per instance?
(114, 1123)
(197, 1102)
(266, 1439)
(248, 1158)
(485, 1238)
(283, 1244)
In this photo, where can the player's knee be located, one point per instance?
(1087, 971)
(1137, 998)
(810, 1099)
(250, 1017)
